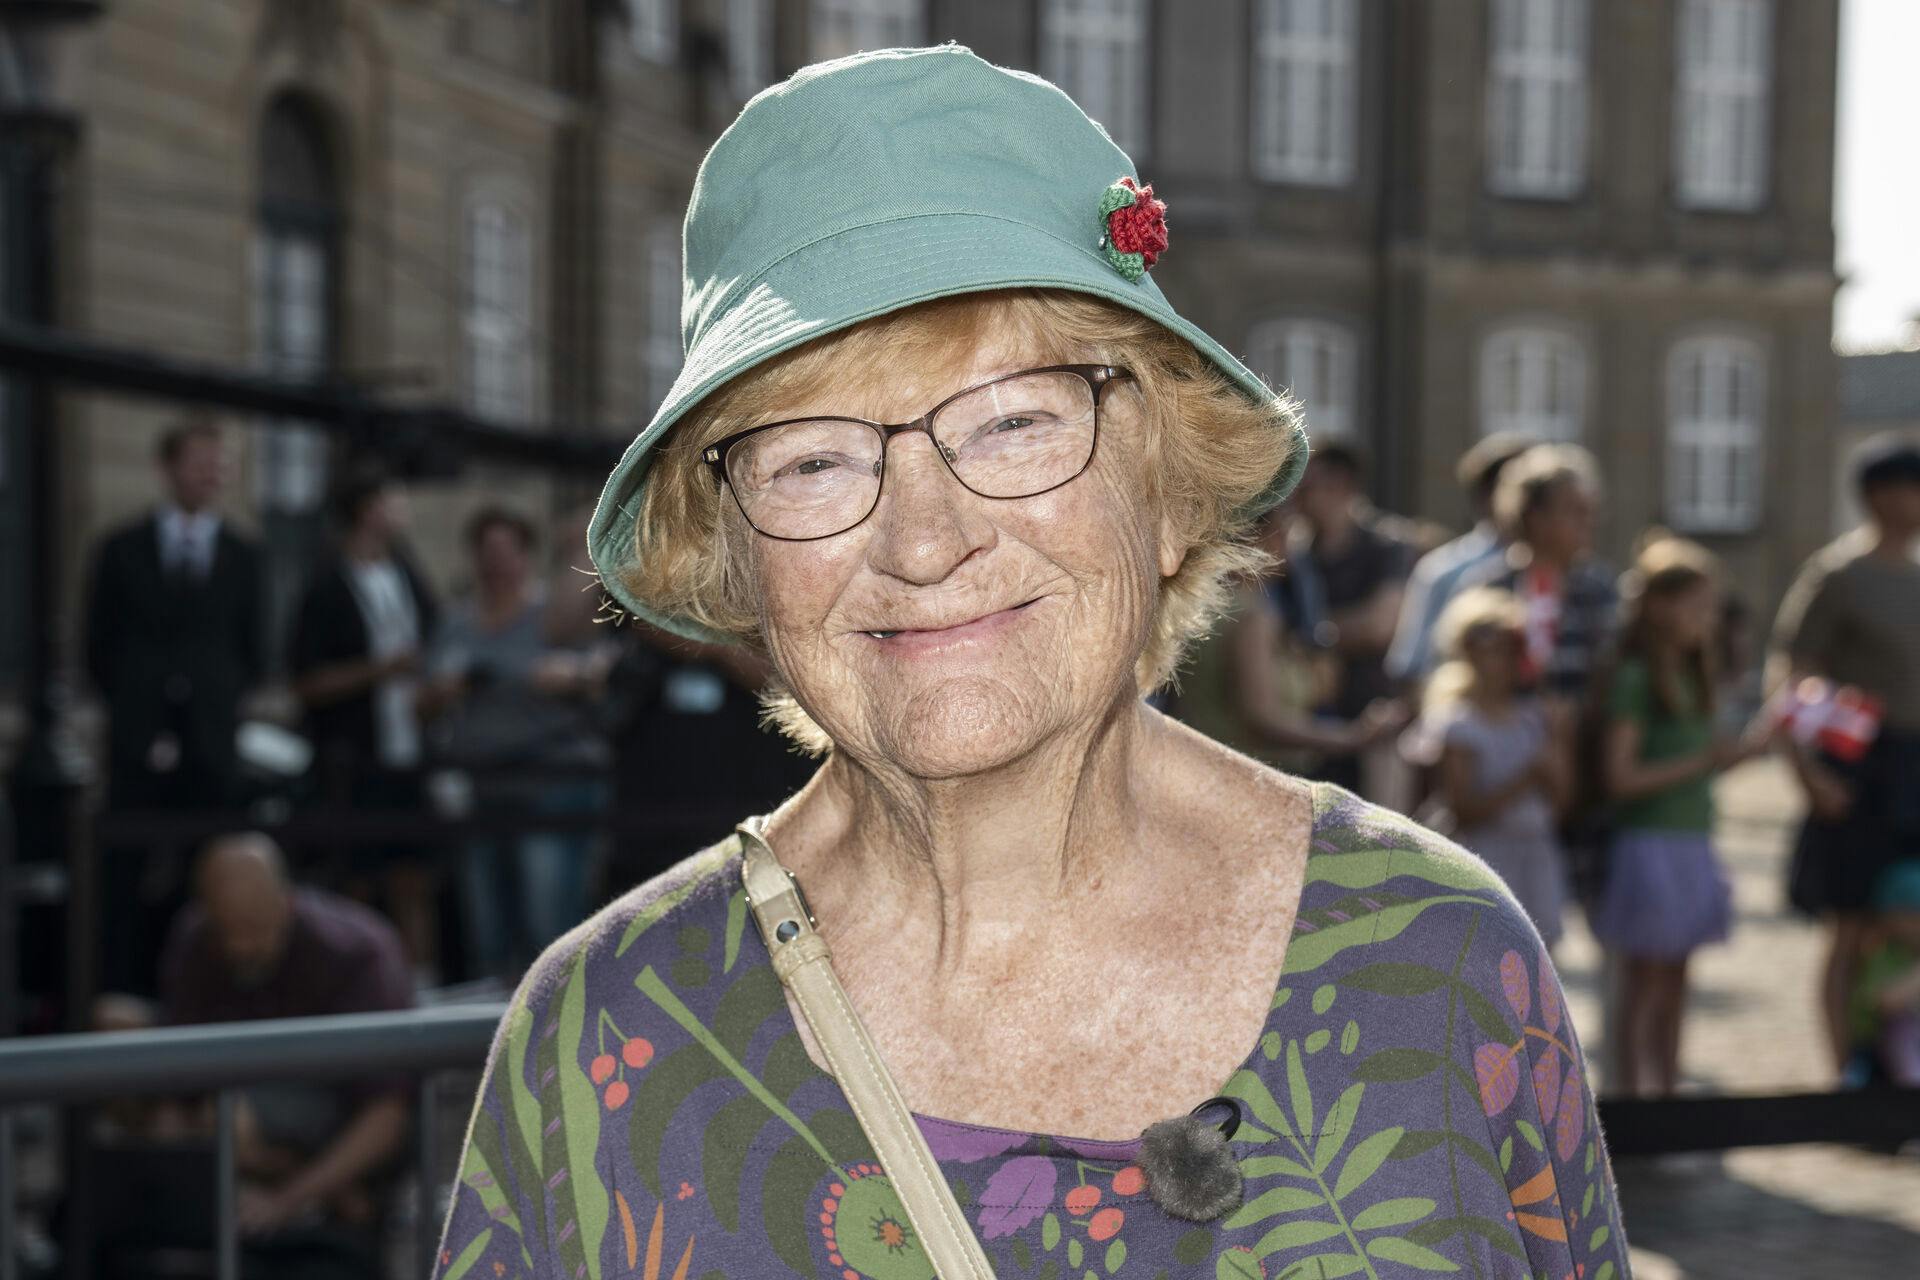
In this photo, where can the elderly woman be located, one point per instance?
(945, 454)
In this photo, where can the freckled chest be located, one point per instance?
(1131, 1010)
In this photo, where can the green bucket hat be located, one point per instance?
(875, 182)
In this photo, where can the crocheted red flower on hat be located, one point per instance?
(1134, 227)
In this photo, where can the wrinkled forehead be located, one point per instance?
(896, 368)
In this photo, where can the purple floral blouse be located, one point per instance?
(1417, 1105)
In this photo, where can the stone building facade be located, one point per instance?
(1606, 222)
(1610, 223)
(1879, 398)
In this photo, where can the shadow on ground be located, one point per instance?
(1705, 1222)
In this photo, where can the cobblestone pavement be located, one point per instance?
(1812, 1212)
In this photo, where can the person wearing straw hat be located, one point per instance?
(1070, 987)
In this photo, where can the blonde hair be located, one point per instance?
(1664, 567)
(1211, 451)
(1474, 610)
(1528, 481)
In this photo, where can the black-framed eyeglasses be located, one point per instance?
(1016, 436)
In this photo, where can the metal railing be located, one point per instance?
(36, 1069)
(222, 1057)
(328, 833)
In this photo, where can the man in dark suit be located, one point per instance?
(172, 644)
(173, 635)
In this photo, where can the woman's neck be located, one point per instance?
(983, 857)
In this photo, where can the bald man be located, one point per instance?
(252, 945)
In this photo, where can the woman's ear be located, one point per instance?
(1173, 547)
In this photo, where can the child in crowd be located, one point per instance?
(1502, 754)
(1883, 1011)
(1665, 893)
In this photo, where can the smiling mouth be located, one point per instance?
(934, 631)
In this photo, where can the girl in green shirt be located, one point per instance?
(1665, 893)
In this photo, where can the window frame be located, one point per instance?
(1093, 27)
(872, 24)
(298, 217)
(1710, 95)
(749, 46)
(498, 331)
(1274, 343)
(1738, 441)
(1557, 169)
(1533, 337)
(1274, 133)
(653, 30)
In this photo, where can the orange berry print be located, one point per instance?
(1106, 1224)
(1082, 1199)
(637, 1052)
(1129, 1181)
(616, 1096)
(601, 1068)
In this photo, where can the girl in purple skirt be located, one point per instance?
(1665, 892)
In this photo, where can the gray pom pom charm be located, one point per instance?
(1191, 1171)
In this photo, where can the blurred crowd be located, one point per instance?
(1566, 722)
(506, 708)
(424, 805)
(1563, 721)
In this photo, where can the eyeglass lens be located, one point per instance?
(1008, 439)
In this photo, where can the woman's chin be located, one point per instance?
(965, 727)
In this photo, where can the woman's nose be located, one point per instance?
(927, 522)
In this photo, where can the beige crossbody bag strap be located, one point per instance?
(805, 967)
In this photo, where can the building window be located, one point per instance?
(19, 549)
(1096, 50)
(1537, 98)
(1721, 103)
(1315, 362)
(1534, 382)
(662, 342)
(749, 46)
(841, 27)
(294, 276)
(654, 28)
(1716, 394)
(1304, 58)
(499, 310)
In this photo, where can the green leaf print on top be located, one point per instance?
(523, 1114)
(1415, 996)
(865, 1225)
(1361, 920)
(484, 1170)
(569, 1097)
(1348, 1220)
(1365, 868)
